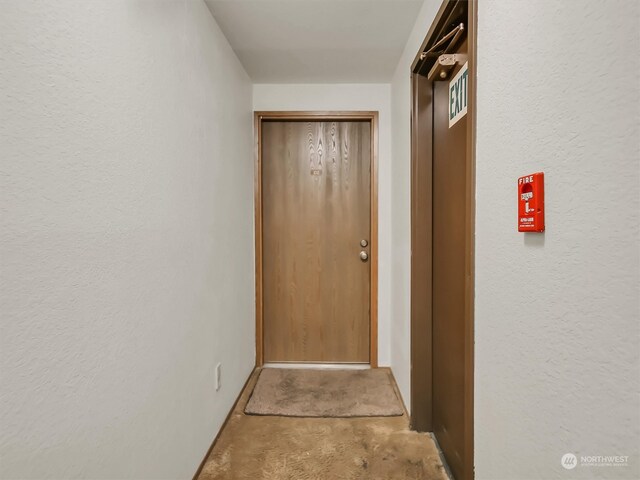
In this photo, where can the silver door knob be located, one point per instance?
(363, 243)
(364, 256)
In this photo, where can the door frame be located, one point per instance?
(422, 231)
(318, 116)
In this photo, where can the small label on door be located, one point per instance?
(458, 95)
(316, 172)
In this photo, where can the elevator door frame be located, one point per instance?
(317, 116)
(422, 231)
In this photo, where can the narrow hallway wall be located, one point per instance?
(401, 201)
(126, 186)
(557, 331)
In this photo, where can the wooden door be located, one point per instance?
(442, 248)
(316, 190)
(448, 281)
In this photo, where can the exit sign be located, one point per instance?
(458, 94)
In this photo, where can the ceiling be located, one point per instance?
(317, 41)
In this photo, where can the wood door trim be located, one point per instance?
(470, 214)
(421, 328)
(421, 256)
(370, 116)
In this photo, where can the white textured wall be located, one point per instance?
(126, 238)
(557, 315)
(352, 97)
(401, 202)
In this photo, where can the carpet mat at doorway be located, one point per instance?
(324, 393)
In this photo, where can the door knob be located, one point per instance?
(363, 243)
(364, 256)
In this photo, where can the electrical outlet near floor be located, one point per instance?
(218, 376)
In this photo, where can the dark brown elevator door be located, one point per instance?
(449, 177)
(316, 184)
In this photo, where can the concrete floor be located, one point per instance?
(280, 448)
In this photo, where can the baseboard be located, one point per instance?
(398, 393)
(224, 424)
(311, 365)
